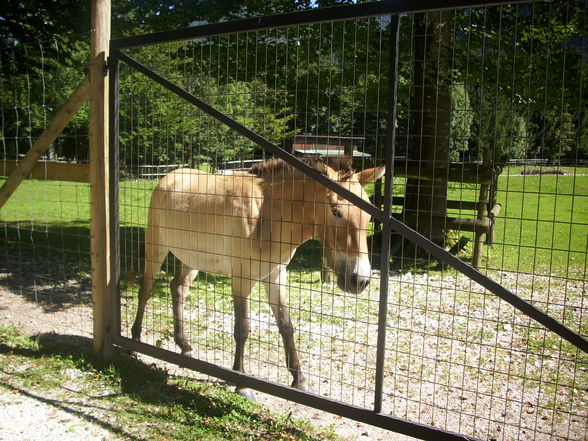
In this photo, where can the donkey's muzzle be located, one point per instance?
(352, 283)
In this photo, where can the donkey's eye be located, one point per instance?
(337, 213)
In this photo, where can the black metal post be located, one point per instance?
(113, 150)
(386, 229)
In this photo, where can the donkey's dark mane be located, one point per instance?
(277, 168)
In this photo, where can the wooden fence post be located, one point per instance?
(102, 282)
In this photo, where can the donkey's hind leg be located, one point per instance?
(180, 287)
(154, 255)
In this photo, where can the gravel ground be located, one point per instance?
(26, 417)
(477, 374)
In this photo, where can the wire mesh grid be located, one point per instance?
(45, 258)
(459, 356)
(488, 163)
(287, 85)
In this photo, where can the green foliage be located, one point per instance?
(497, 127)
(461, 122)
(166, 129)
(528, 59)
(582, 146)
(555, 134)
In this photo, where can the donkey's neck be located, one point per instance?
(292, 207)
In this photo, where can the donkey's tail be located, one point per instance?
(138, 257)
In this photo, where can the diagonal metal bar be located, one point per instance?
(389, 422)
(256, 138)
(410, 234)
(492, 286)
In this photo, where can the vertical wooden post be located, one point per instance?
(102, 283)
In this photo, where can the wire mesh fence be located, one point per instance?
(283, 83)
(45, 224)
(489, 163)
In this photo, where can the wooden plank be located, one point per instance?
(494, 212)
(470, 173)
(51, 171)
(451, 223)
(451, 204)
(103, 284)
(44, 142)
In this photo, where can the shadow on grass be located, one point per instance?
(145, 396)
(49, 264)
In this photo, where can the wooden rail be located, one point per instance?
(50, 170)
(471, 173)
(483, 174)
(477, 225)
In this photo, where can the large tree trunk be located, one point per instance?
(430, 118)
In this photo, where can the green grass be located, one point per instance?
(542, 227)
(542, 230)
(545, 219)
(135, 400)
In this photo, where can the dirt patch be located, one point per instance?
(458, 358)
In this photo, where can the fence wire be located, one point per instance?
(45, 260)
(489, 162)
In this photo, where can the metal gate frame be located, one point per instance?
(392, 8)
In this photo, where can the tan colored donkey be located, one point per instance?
(248, 225)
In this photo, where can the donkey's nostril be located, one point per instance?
(363, 283)
(358, 283)
(352, 282)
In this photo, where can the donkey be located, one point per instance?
(248, 225)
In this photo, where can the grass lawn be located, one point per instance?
(542, 227)
(447, 336)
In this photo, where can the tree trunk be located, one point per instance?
(430, 117)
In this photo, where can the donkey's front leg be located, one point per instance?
(274, 287)
(180, 287)
(241, 291)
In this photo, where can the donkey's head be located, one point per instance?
(342, 228)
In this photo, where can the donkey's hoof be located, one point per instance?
(302, 385)
(187, 351)
(246, 393)
(185, 347)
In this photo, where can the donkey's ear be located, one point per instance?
(370, 175)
